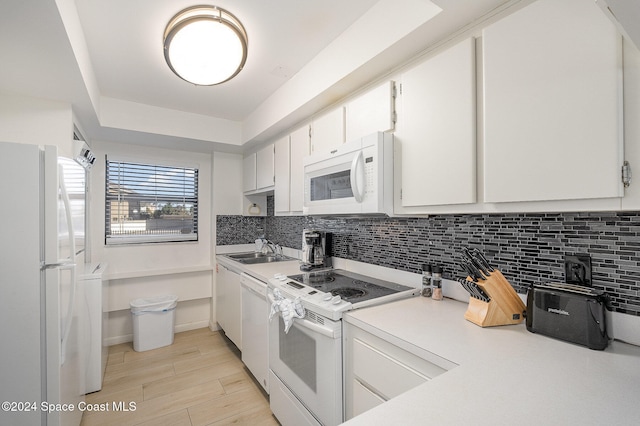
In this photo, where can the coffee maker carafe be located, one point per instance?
(315, 247)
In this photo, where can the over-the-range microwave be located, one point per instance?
(354, 179)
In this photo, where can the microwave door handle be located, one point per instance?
(357, 177)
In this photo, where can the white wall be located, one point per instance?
(145, 270)
(36, 121)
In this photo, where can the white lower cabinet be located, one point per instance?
(229, 304)
(377, 370)
(255, 329)
(363, 398)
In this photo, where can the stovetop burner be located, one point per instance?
(320, 279)
(349, 286)
(349, 292)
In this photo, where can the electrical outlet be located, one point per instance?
(577, 269)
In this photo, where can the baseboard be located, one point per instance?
(116, 340)
(191, 326)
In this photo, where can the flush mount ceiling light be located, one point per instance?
(205, 45)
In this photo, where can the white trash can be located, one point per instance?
(153, 322)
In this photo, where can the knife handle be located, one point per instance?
(482, 258)
(470, 272)
(474, 290)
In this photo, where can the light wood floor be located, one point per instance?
(199, 380)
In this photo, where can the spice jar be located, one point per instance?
(426, 281)
(436, 283)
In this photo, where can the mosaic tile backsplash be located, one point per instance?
(527, 248)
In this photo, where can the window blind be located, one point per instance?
(150, 203)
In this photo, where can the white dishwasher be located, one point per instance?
(255, 328)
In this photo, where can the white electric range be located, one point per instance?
(305, 353)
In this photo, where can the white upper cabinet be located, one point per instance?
(265, 173)
(282, 165)
(327, 131)
(371, 112)
(552, 104)
(249, 173)
(631, 200)
(300, 148)
(436, 130)
(289, 188)
(258, 170)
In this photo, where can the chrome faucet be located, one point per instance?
(275, 248)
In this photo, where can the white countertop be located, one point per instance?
(504, 375)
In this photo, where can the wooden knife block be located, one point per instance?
(504, 308)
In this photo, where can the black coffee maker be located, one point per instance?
(316, 246)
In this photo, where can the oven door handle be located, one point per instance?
(325, 331)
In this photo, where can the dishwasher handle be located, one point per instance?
(253, 285)
(253, 291)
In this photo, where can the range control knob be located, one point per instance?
(336, 300)
(327, 297)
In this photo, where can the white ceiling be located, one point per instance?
(102, 55)
(125, 43)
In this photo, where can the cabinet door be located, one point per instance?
(255, 331)
(249, 173)
(265, 175)
(551, 104)
(234, 320)
(228, 304)
(372, 112)
(282, 174)
(327, 131)
(376, 370)
(364, 399)
(300, 148)
(436, 129)
(387, 375)
(221, 296)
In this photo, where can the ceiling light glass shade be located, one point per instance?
(205, 45)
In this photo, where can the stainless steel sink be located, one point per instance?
(252, 258)
(250, 255)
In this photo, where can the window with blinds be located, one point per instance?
(148, 203)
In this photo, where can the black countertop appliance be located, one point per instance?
(568, 312)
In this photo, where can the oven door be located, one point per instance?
(308, 360)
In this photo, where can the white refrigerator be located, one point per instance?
(42, 232)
